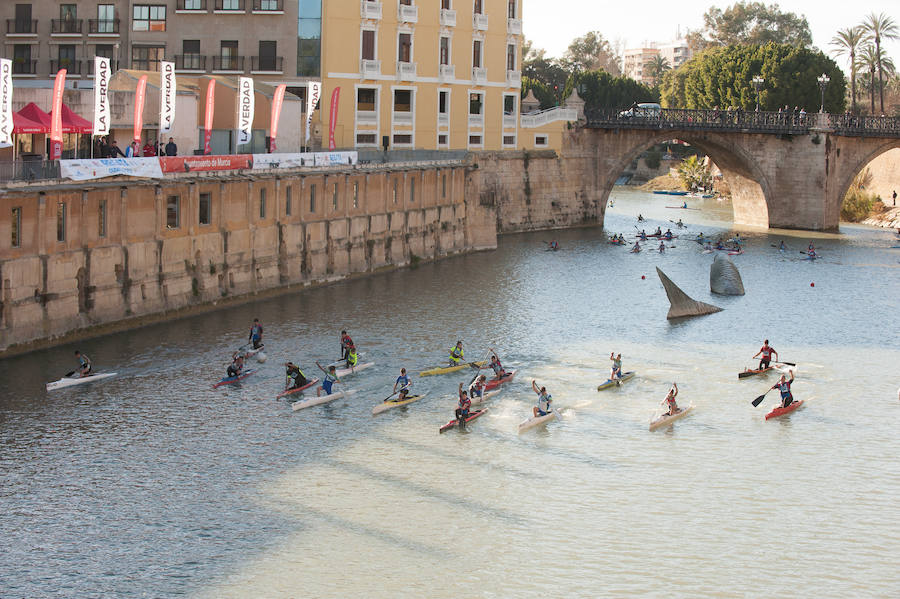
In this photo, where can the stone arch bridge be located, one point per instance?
(785, 170)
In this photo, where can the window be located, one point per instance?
(309, 38)
(262, 202)
(148, 17)
(443, 186)
(445, 4)
(445, 50)
(404, 49)
(288, 193)
(394, 193)
(228, 51)
(204, 212)
(366, 139)
(312, 198)
(194, 5)
(412, 190)
(22, 59)
(66, 55)
(512, 9)
(443, 140)
(356, 194)
(365, 99)
(510, 57)
(509, 104)
(146, 58)
(23, 19)
(232, 5)
(540, 141)
(334, 197)
(403, 139)
(474, 140)
(402, 100)
(268, 5)
(476, 103)
(478, 8)
(406, 2)
(61, 221)
(444, 102)
(104, 50)
(368, 44)
(16, 226)
(509, 140)
(476, 53)
(101, 216)
(68, 12)
(173, 212)
(106, 18)
(268, 56)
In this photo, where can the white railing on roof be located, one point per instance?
(557, 113)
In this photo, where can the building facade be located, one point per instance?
(636, 60)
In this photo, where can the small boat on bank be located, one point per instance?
(71, 381)
(626, 376)
(666, 419)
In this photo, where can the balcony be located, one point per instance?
(370, 9)
(448, 18)
(100, 27)
(268, 7)
(479, 75)
(24, 66)
(228, 64)
(479, 22)
(408, 14)
(403, 117)
(190, 63)
(72, 67)
(230, 6)
(476, 120)
(514, 26)
(65, 26)
(443, 120)
(406, 71)
(21, 27)
(369, 69)
(513, 79)
(266, 64)
(509, 121)
(190, 6)
(366, 117)
(447, 72)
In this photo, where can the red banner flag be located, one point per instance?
(139, 94)
(208, 121)
(277, 100)
(332, 117)
(56, 116)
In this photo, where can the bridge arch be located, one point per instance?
(850, 158)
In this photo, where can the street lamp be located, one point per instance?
(757, 85)
(823, 80)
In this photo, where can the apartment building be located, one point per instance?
(676, 53)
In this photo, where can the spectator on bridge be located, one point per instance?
(149, 149)
(132, 150)
(115, 151)
(171, 148)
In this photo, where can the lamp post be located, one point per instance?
(757, 85)
(823, 80)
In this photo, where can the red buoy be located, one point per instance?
(643, 277)
(812, 284)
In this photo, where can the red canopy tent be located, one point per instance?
(23, 124)
(72, 123)
(36, 115)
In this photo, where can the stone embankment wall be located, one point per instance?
(885, 171)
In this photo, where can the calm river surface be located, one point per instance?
(151, 484)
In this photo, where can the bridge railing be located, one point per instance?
(865, 126)
(708, 120)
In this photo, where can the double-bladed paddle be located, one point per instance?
(759, 399)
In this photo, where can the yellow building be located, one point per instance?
(429, 74)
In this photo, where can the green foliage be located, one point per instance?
(694, 174)
(538, 69)
(541, 92)
(591, 52)
(750, 23)
(858, 203)
(603, 91)
(652, 158)
(657, 67)
(723, 77)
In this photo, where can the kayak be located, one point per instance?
(537, 421)
(72, 381)
(751, 372)
(484, 397)
(667, 419)
(446, 369)
(682, 208)
(496, 382)
(316, 401)
(345, 371)
(617, 242)
(343, 361)
(286, 392)
(779, 411)
(396, 403)
(233, 379)
(648, 235)
(735, 253)
(472, 416)
(635, 251)
(258, 352)
(615, 383)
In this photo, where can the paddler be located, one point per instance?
(496, 366)
(403, 381)
(462, 410)
(616, 370)
(554, 245)
(544, 400)
(456, 354)
(84, 364)
(476, 389)
(256, 333)
(640, 218)
(352, 357)
(708, 246)
(765, 353)
(642, 235)
(670, 399)
(237, 364)
(668, 234)
(684, 205)
(346, 344)
(662, 247)
(784, 387)
(658, 231)
(781, 246)
(330, 379)
(679, 224)
(637, 246)
(295, 377)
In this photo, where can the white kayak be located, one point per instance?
(666, 419)
(345, 371)
(72, 381)
(538, 420)
(484, 397)
(317, 401)
(396, 403)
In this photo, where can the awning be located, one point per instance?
(72, 123)
(22, 124)
(34, 114)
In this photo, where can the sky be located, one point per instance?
(552, 24)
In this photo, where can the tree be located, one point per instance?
(724, 77)
(602, 91)
(540, 69)
(694, 174)
(751, 23)
(544, 94)
(869, 59)
(592, 52)
(880, 27)
(847, 42)
(657, 67)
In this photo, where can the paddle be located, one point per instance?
(788, 363)
(759, 399)
(395, 393)
(68, 374)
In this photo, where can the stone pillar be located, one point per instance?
(530, 103)
(575, 101)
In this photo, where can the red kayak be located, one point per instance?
(233, 379)
(496, 382)
(472, 416)
(291, 391)
(779, 411)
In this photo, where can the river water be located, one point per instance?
(151, 484)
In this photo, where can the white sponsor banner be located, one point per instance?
(102, 74)
(297, 160)
(83, 170)
(313, 90)
(246, 105)
(6, 112)
(166, 96)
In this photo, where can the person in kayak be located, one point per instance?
(616, 370)
(84, 364)
(781, 246)
(784, 387)
(670, 399)
(684, 205)
(352, 357)
(544, 400)
(496, 366)
(554, 245)
(765, 355)
(330, 379)
(295, 376)
(679, 224)
(658, 231)
(640, 218)
(346, 344)
(668, 234)
(642, 235)
(708, 246)
(462, 409)
(237, 364)
(662, 247)
(403, 381)
(636, 247)
(476, 389)
(811, 254)
(456, 354)
(811, 247)
(256, 333)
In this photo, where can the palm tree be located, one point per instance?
(848, 41)
(657, 66)
(870, 58)
(878, 28)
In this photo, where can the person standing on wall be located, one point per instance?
(171, 148)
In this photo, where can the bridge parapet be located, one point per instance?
(705, 120)
(864, 126)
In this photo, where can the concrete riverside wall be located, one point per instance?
(266, 231)
(885, 170)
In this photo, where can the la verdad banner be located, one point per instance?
(246, 108)
(102, 74)
(167, 84)
(6, 92)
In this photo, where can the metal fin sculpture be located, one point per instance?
(680, 305)
(724, 278)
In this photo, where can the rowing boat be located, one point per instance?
(446, 369)
(345, 371)
(472, 416)
(667, 419)
(615, 383)
(779, 411)
(537, 421)
(233, 379)
(67, 381)
(396, 403)
(477, 399)
(497, 381)
(754, 371)
(316, 401)
(293, 390)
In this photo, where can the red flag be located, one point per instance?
(208, 121)
(332, 117)
(139, 94)
(56, 115)
(277, 100)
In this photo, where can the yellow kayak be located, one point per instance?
(446, 369)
